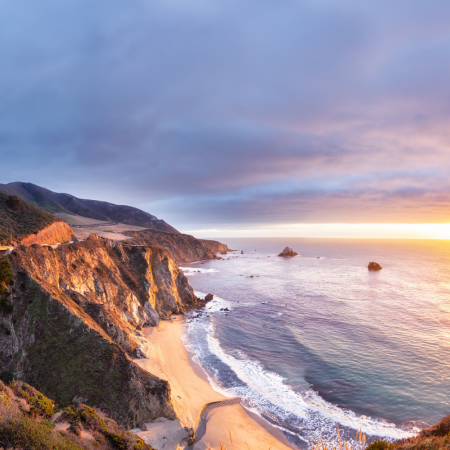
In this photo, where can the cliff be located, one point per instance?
(215, 246)
(23, 223)
(57, 232)
(72, 321)
(182, 247)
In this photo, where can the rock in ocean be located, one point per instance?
(288, 253)
(374, 266)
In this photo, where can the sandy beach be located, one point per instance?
(190, 391)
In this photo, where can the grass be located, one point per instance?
(19, 219)
(24, 424)
(39, 402)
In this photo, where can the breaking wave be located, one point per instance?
(302, 415)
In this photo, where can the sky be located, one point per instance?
(235, 117)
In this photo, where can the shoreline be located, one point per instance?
(190, 390)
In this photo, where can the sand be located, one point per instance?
(190, 391)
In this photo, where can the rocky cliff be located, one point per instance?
(72, 321)
(215, 246)
(182, 247)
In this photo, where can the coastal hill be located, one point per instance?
(84, 217)
(70, 323)
(182, 247)
(24, 223)
(59, 203)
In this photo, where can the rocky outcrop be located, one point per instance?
(74, 317)
(374, 266)
(23, 222)
(215, 246)
(57, 232)
(288, 253)
(182, 247)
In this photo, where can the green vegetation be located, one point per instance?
(6, 274)
(27, 434)
(71, 359)
(43, 405)
(25, 425)
(19, 219)
(87, 415)
(106, 430)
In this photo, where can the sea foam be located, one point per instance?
(304, 414)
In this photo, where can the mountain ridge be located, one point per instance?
(54, 203)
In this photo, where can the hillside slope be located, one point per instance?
(54, 203)
(30, 421)
(182, 247)
(71, 320)
(24, 223)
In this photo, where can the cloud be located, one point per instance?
(231, 112)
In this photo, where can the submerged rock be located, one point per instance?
(288, 253)
(374, 266)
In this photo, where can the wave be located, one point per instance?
(191, 271)
(304, 414)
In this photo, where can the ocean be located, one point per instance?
(317, 342)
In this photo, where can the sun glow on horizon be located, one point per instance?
(335, 230)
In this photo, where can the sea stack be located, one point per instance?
(374, 266)
(288, 253)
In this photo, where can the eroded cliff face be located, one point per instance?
(215, 246)
(182, 247)
(74, 321)
(57, 232)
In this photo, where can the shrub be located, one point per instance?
(43, 405)
(7, 377)
(13, 202)
(28, 434)
(379, 445)
(6, 273)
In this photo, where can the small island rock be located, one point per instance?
(374, 266)
(288, 252)
(209, 297)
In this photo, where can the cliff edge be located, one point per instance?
(70, 323)
(183, 247)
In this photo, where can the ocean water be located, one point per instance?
(317, 341)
